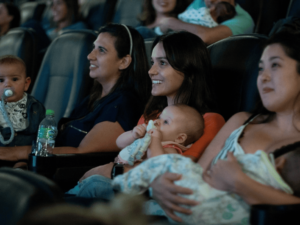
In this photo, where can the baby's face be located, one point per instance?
(13, 76)
(170, 123)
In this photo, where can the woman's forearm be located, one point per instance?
(256, 193)
(14, 153)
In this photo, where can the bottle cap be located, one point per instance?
(49, 112)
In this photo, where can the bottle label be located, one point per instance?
(47, 133)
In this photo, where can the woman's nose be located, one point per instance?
(153, 70)
(91, 56)
(265, 76)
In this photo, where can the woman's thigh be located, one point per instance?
(96, 186)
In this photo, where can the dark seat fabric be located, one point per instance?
(294, 8)
(21, 191)
(127, 12)
(63, 79)
(271, 11)
(235, 70)
(148, 45)
(22, 42)
(274, 214)
(32, 10)
(253, 7)
(93, 13)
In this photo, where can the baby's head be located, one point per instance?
(222, 11)
(287, 166)
(181, 124)
(13, 76)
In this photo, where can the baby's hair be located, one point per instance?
(11, 59)
(290, 172)
(194, 123)
(225, 11)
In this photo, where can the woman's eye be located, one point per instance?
(165, 121)
(260, 69)
(15, 79)
(163, 63)
(274, 65)
(151, 62)
(1, 80)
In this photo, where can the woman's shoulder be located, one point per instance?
(240, 117)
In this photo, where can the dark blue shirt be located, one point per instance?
(122, 106)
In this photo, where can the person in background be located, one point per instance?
(65, 15)
(241, 23)
(154, 11)
(9, 17)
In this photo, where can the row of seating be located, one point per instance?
(63, 80)
(98, 12)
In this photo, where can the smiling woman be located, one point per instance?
(9, 17)
(121, 89)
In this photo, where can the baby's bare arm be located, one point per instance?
(129, 137)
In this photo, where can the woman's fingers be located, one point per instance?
(171, 214)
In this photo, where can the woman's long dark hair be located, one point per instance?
(14, 11)
(289, 41)
(135, 76)
(187, 54)
(148, 14)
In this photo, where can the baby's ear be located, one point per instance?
(181, 138)
(27, 83)
(280, 163)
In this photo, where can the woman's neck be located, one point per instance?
(286, 121)
(4, 29)
(170, 100)
(107, 87)
(158, 19)
(63, 24)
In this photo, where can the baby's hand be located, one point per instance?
(139, 131)
(155, 133)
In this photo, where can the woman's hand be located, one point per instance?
(104, 170)
(224, 174)
(139, 131)
(165, 192)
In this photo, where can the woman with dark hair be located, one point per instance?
(180, 73)
(273, 125)
(154, 11)
(118, 64)
(65, 15)
(9, 17)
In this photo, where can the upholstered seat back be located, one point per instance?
(235, 70)
(21, 191)
(22, 42)
(63, 79)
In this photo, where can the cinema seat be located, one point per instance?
(294, 8)
(127, 11)
(21, 191)
(32, 10)
(22, 42)
(63, 79)
(274, 214)
(235, 70)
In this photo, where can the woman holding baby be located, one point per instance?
(274, 124)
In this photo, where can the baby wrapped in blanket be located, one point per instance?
(215, 206)
(177, 127)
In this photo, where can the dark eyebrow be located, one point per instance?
(275, 57)
(101, 47)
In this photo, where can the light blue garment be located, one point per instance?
(95, 186)
(242, 23)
